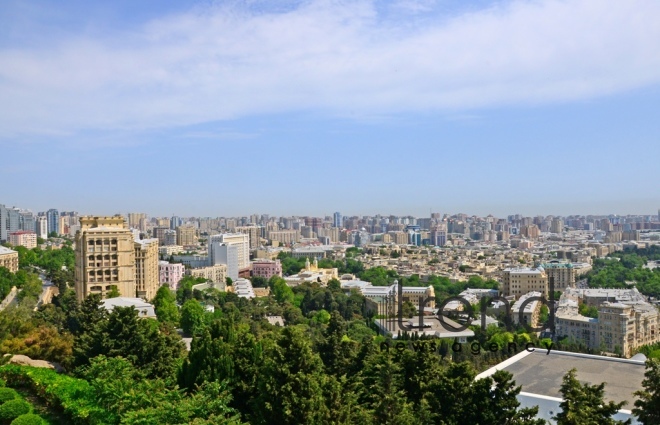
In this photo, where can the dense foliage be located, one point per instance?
(627, 266)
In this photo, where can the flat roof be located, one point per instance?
(5, 250)
(542, 373)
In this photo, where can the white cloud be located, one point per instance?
(224, 62)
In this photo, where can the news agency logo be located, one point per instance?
(469, 310)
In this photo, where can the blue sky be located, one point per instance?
(309, 107)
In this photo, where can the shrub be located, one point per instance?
(13, 409)
(28, 419)
(7, 394)
(73, 397)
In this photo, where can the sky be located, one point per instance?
(228, 108)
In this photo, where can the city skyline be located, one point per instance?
(193, 108)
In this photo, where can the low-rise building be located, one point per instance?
(266, 268)
(170, 274)
(215, 274)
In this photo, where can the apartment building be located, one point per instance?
(105, 257)
(528, 315)
(214, 274)
(520, 281)
(625, 320)
(284, 236)
(23, 238)
(185, 235)
(253, 232)
(266, 268)
(170, 274)
(563, 275)
(9, 259)
(147, 273)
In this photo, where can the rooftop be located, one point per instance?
(5, 250)
(541, 373)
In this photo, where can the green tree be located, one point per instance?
(647, 408)
(584, 404)
(291, 383)
(281, 291)
(165, 306)
(192, 316)
(114, 292)
(154, 349)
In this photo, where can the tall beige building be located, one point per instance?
(135, 221)
(146, 268)
(105, 257)
(253, 232)
(520, 281)
(185, 235)
(563, 275)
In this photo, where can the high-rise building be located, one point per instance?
(226, 254)
(254, 233)
(105, 257)
(146, 268)
(3, 223)
(336, 219)
(242, 243)
(53, 217)
(159, 233)
(557, 226)
(175, 222)
(135, 221)
(41, 227)
(185, 235)
(439, 234)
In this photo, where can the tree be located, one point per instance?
(647, 408)
(584, 404)
(282, 292)
(229, 281)
(192, 316)
(259, 282)
(114, 292)
(291, 383)
(152, 348)
(165, 306)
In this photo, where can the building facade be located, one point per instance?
(214, 274)
(105, 257)
(146, 268)
(9, 259)
(185, 235)
(520, 281)
(170, 274)
(266, 268)
(23, 238)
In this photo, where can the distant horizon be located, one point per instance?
(324, 214)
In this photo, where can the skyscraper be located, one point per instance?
(336, 220)
(53, 217)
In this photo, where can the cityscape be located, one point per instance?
(504, 289)
(329, 212)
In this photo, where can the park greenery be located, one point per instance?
(621, 269)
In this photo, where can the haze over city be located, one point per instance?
(308, 107)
